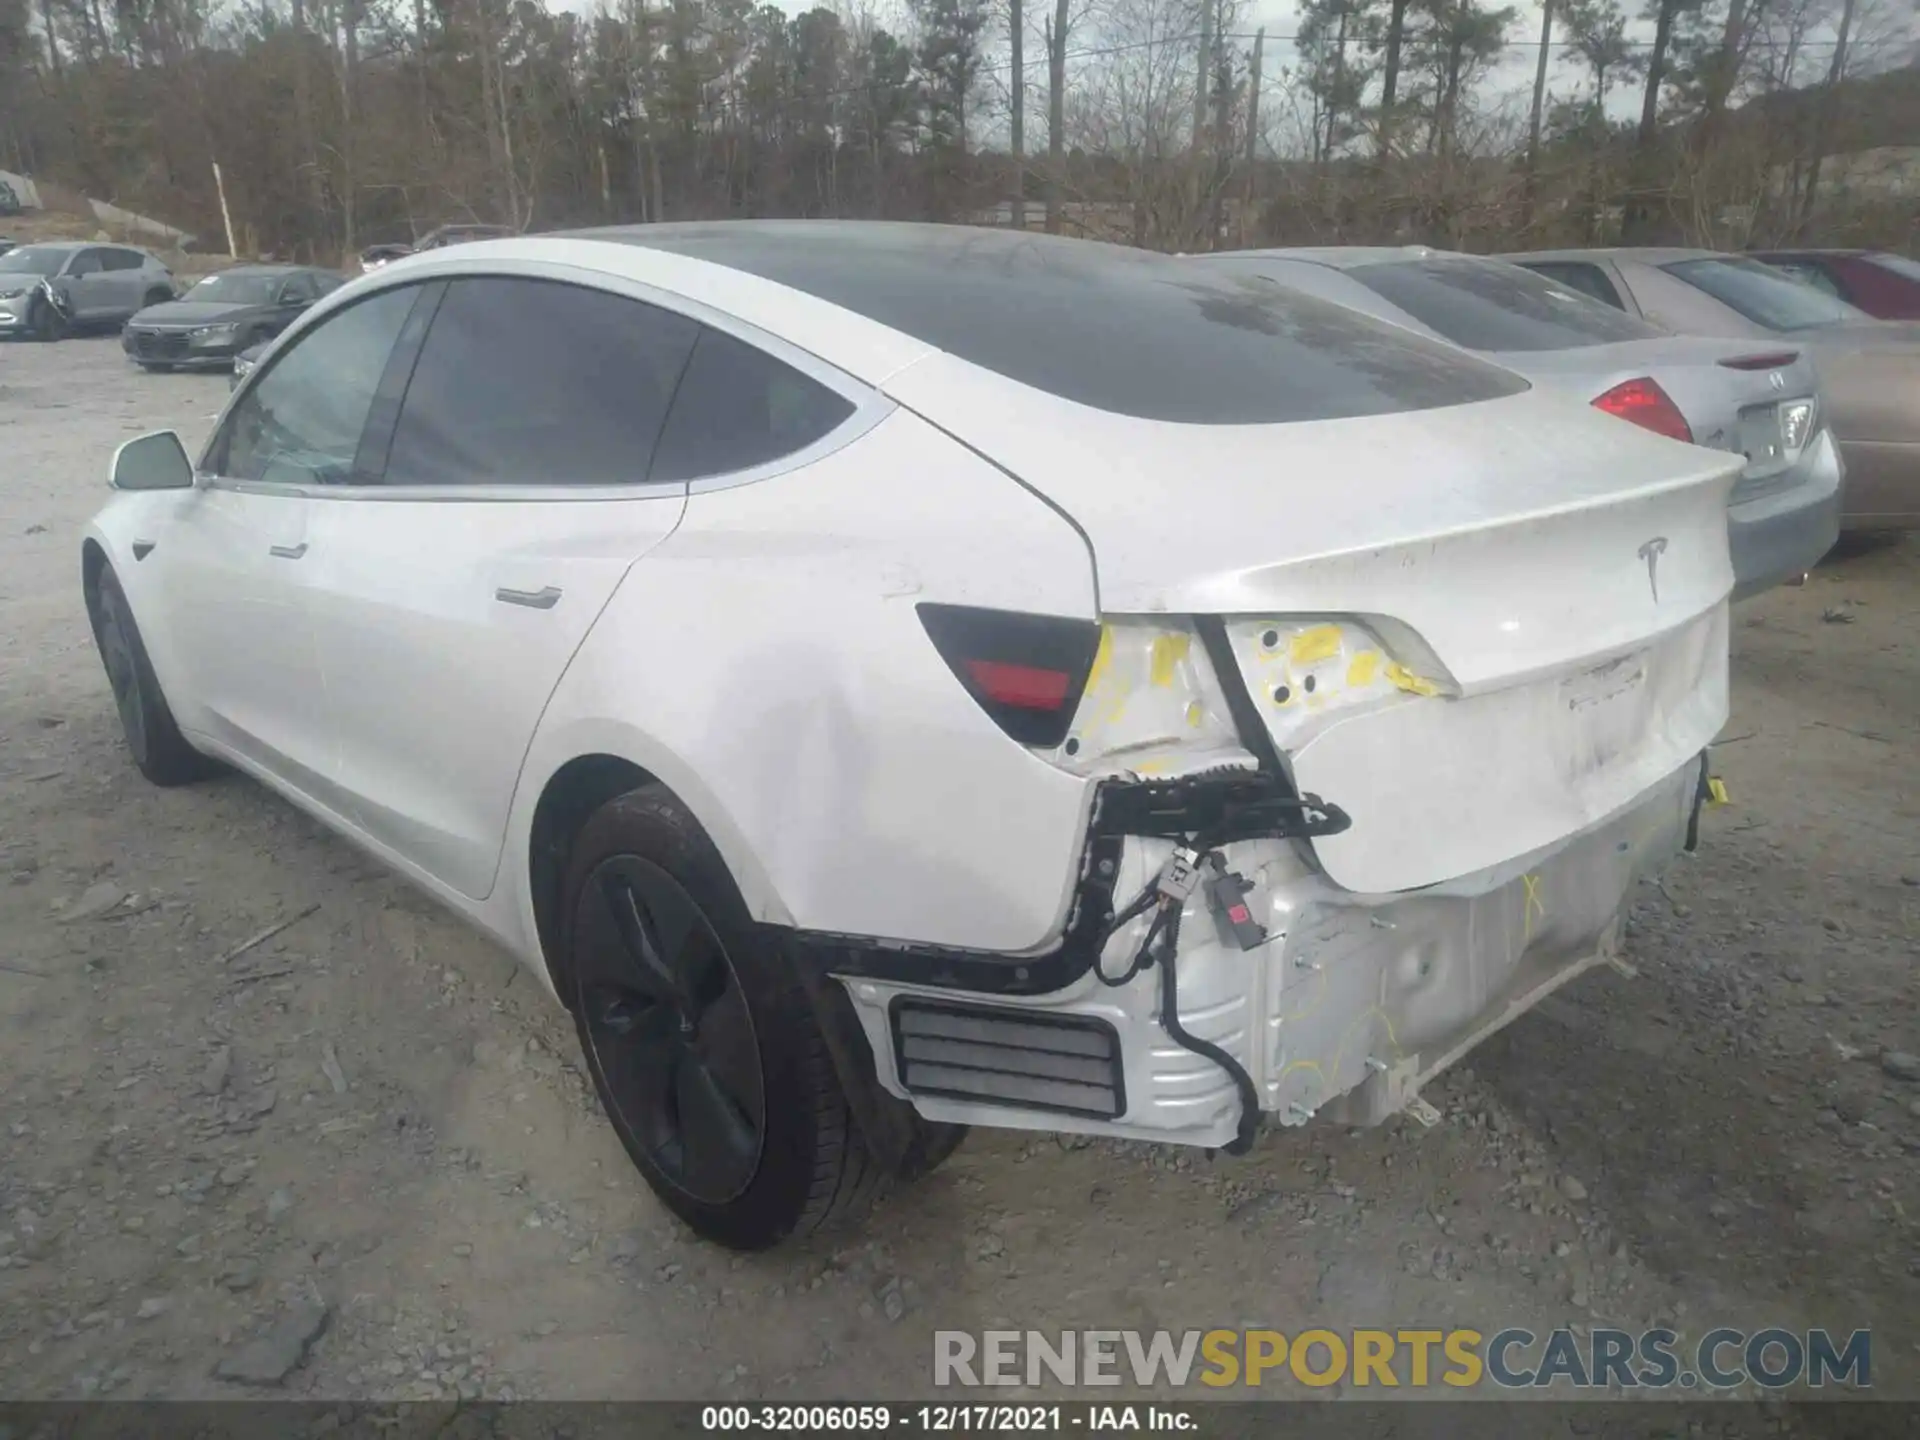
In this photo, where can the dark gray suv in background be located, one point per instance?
(103, 285)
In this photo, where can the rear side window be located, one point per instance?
(1589, 280)
(1488, 305)
(534, 382)
(1764, 295)
(738, 407)
(1121, 330)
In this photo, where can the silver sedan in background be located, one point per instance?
(1869, 369)
(1760, 401)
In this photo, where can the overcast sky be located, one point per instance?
(1512, 78)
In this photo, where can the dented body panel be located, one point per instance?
(1356, 1001)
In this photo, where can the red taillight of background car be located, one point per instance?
(1026, 671)
(1648, 406)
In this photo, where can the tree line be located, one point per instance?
(339, 123)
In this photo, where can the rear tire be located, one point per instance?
(701, 1042)
(153, 739)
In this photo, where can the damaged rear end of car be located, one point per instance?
(1385, 714)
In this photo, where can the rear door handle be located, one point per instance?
(288, 552)
(544, 598)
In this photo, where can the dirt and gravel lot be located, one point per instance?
(357, 1160)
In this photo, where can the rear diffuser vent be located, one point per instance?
(998, 1056)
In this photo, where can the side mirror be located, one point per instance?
(151, 462)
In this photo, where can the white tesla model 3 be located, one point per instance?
(893, 678)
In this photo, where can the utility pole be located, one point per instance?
(1253, 129)
(1823, 121)
(1539, 101)
(1016, 25)
(1056, 114)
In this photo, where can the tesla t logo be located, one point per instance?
(1777, 380)
(1651, 553)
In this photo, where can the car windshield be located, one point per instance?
(1899, 265)
(1489, 305)
(1764, 295)
(33, 260)
(236, 290)
(1117, 329)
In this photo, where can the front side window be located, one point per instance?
(124, 260)
(1764, 295)
(535, 382)
(300, 423)
(87, 262)
(1489, 305)
(738, 407)
(234, 290)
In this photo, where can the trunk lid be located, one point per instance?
(1731, 402)
(1546, 586)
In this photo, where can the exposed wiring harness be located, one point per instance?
(1166, 895)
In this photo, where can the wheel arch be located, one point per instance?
(581, 778)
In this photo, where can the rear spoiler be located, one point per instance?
(1773, 360)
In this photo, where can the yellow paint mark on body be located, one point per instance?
(1168, 652)
(1363, 668)
(1406, 680)
(1196, 713)
(1717, 791)
(1102, 658)
(1322, 642)
(1534, 905)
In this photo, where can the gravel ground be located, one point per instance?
(359, 1161)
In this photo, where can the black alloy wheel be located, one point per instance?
(668, 1030)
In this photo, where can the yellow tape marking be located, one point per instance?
(1365, 665)
(1320, 643)
(1717, 791)
(1533, 902)
(1406, 680)
(1168, 652)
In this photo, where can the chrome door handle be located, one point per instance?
(544, 598)
(288, 552)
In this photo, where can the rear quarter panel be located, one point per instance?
(767, 664)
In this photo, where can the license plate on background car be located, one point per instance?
(1760, 438)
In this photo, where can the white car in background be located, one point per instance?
(894, 678)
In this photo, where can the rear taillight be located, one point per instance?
(1648, 406)
(1776, 360)
(1026, 671)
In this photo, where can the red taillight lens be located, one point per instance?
(1026, 671)
(1648, 406)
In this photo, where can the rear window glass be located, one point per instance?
(1764, 295)
(1488, 305)
(1121, 330)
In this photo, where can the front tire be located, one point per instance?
(153, 739)
(701, 1043)
(45, 323)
